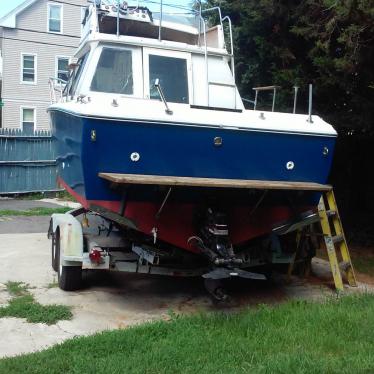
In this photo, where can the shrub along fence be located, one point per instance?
(27, 162)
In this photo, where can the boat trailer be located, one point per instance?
(99, 239)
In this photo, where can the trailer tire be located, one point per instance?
(69, 277)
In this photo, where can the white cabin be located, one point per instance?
(123, 51)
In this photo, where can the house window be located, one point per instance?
(28, 118)
(55, 18)
(28, 68)
(62, 68)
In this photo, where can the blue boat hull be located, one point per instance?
(180, 150)
(88, 146)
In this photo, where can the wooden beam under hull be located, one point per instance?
(213, 182)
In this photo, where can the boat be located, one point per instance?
(152, 134)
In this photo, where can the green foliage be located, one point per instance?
(325, 42)
(295, 337)
(33, 196)
(23, 305)
(64, 195)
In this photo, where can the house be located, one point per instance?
(36, 39)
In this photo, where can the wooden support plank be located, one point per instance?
(212, 182)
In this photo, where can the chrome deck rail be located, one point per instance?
(56, 85)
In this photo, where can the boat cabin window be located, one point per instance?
(172, 73)
(114, 72)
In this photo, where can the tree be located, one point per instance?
(329, 43)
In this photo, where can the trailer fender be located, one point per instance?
(71, 237)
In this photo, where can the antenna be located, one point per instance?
(310, 120)
(160, 26)
(296, 88)
(118, 5)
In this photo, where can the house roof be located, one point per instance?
(9, 20)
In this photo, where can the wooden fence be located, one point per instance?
(27, 162)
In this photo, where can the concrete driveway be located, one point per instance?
(111, 301)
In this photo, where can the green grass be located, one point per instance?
(64, 195)
(53, 284)
(33, 196)
(17, 288)
(38, 211)
(23, 305)
(336, 336)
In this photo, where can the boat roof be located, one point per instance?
(190, 28)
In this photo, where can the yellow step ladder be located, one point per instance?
(335, 240)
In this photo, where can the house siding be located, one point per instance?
(46, 46)
(12, 114)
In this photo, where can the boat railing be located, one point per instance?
(228, 19)
(56, 89)
(198, 11)
(267, 88)
(222, 22)
(274, 89)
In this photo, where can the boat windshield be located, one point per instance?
(72, 85)
(114, 72)
(172, 73)
(187, 18)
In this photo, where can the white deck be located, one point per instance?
(143, 110)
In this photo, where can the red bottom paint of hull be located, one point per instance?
(175, 225)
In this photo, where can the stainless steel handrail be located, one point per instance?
(53, 88)
(206, 58)
(266, 88)
(221, 21)
(231, 44)
(218, 9)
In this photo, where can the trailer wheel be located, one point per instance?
(69, 277)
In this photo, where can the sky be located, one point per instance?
(7, 5)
